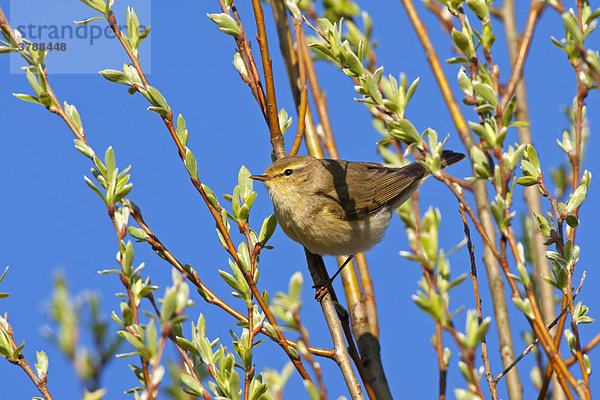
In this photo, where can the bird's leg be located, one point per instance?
(322, 289)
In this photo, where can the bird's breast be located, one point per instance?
(322, 232)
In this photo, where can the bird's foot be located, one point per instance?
(322, 290)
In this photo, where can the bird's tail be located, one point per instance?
(448, 157)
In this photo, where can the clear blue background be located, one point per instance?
(52, 221)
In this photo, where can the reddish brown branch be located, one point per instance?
(276, 136)
(537, 6)
(41, 384)
(303, 89)
(193, 277)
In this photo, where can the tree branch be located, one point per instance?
(483, 207)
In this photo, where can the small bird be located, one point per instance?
(337, 207)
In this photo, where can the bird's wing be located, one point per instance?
(372, 186)
(390, 183)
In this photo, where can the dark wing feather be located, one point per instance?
(373, 186)
(393, 182)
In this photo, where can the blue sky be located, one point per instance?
(52, 221)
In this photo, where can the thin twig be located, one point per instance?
(276, 136)
(184, 354)
(536, 321)
(56, 107)
(582, 91)
(531, 193)
(484, 351)
(309, 358)
(21, 361)
(336, 329)
(133, 303)
(549, 346)
(253, 78)
(442, 366)
(360, 324)
(557, 339)
(481, 199)
(535, 11)
(193, 277)
(368, 292)
(290, 58)
(153, 388)
(468, 356)
(303, 88)
(277, 141)
(571, 360)
(351, 283)
(536, 341)
(319, 99)
(529, 347)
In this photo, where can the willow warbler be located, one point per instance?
(340, 208)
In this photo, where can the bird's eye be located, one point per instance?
(287, 172)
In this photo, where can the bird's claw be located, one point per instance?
(321, 291)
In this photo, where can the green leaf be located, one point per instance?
(94, 188)
(212, 199)
(182, 132)
(41, 366)
(190, 164)
(532, 157)
(479, 7)
(411, 90)
(151, 338)
(462, 394)
(267, 229)
(115, 76)
(463, 42)
(245, 183)
(405, 130)
(169, 306)
(137, 233)
(244, 212)
(225, 23)
(353, 64)
(525, 306)
(592, 16)
(238, 63)
(570, 24)
(586, 359)
(87, 21)
(133, 28)
(234, 385)
(485, 92)
(33, 82)
(529, 169)
(464, 82)
(527, 181)
(193, 384)
(26, 97)
(457, 60)
(156, 98)
(576, 198)
(312, 390)
(73, 115)
(231, 281)
(244, 256)
(370, 84)
(485, 132)
(110, 163)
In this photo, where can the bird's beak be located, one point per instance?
(263, 178)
